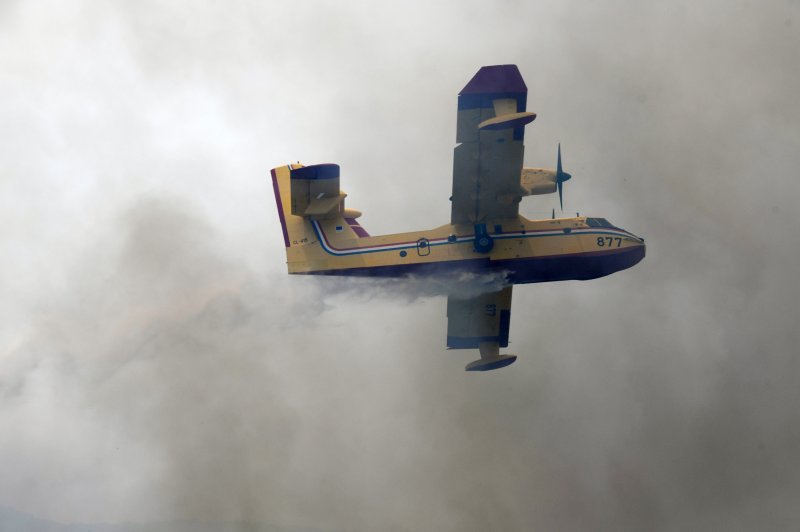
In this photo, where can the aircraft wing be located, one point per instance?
(482, 319)
(487, 163)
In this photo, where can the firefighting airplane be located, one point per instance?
(486, 233)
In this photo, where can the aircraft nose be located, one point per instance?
(639, 238)
(640, 250)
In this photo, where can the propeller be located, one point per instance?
(561, 176)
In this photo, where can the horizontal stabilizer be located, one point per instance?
(315, 191)
(535, 181)
(325, 205)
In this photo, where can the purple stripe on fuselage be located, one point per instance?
(359, 231)
(277, 190)
(356, 227)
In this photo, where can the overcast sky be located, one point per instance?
(156, 362)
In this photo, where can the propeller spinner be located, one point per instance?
(561, 176)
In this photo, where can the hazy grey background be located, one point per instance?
(156, 362)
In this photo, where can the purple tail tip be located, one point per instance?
(496, 78)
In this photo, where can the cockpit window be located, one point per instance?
(598, 222)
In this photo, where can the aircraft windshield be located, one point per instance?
(598, 222)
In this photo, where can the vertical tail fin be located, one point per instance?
(296, 229)
(304, 194)
(279, 201)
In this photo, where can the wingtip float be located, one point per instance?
(486, 233)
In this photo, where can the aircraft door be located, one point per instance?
(423, 247)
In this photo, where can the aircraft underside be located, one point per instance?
(578, 267)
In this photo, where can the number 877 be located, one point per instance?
(608, 241)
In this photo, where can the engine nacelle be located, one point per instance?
(535, 181)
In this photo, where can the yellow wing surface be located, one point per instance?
(481, 322)
(487, 163)
(487, 170)
(479, 319)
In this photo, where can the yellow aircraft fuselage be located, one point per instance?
(525, 251)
